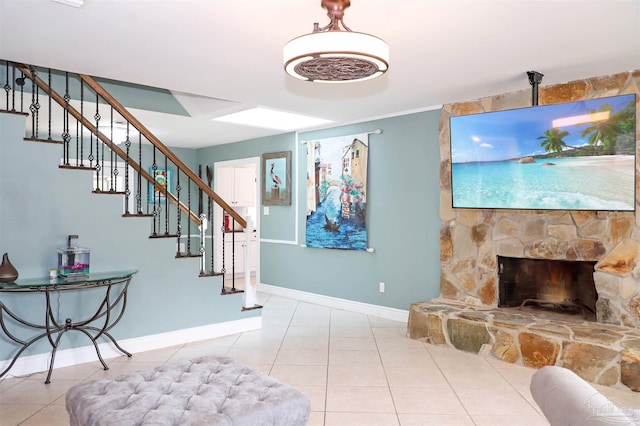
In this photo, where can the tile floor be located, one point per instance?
(356, 370)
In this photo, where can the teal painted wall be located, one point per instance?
(402, 216)
(41, 204)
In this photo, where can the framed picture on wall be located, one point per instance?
(162, 177)
(276, 179)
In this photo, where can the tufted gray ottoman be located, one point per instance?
(210, 390)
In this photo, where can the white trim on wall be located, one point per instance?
(334, 302)
(68, 357)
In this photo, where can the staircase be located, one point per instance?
(100, 135)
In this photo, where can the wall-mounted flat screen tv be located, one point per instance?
(570, 156)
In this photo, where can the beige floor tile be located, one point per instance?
(406, 359)
(359, 399)
(368, 419)
(426, 401)
(353, 343)
(399, 344)
(416, 377)
(470, 378)
(357, 375)
(301, 357)
(399, 332)
(9, 381)
(51, 415)
(36, 392)
(308, 343)
(502, 402)
(315, 375)
(354, 357)
(316, 418)
(351, 332)
(308, 331)
(253, 357)
(14, 414)
(317, 396)
(520, 420)
(377, 322)
(436, 420)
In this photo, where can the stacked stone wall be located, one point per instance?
(471, 239)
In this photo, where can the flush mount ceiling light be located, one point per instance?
(271, 119)
(334, 55)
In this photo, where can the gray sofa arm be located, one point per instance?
(566, 399)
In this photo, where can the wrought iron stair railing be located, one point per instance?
(156, 183)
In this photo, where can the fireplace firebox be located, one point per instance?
(558, 286)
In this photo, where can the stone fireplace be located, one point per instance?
(469, 315)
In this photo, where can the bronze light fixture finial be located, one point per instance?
(332, 54)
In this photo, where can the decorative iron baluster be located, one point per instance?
(97, 157)
(139, 183)
(49, 124)
(113, 172)
(81, 127)
(35, 105)
(66, 136)
(127, 191)
(178, 213)
(189, 222)
(20, 82)
(166, 197)
(223, 269)
(209, 203)
(203, 233)
(7, 87)
(13, 92)
(154, 168)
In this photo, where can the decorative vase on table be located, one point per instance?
(8, 272)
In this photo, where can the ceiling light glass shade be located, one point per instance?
(336, 57)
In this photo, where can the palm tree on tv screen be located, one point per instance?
(552, 140)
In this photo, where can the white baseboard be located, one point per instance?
(67, 357)
(334, 302)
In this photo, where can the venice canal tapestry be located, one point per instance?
(337, 192)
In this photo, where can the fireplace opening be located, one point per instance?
(558, 286)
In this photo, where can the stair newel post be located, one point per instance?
(203, 233)
(250, 297)
(35, 104)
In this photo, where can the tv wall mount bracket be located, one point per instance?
(535, 78)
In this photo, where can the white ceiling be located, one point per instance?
(223, 56)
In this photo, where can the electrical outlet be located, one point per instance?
(381, 287)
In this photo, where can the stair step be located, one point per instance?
(8, 111)
(230, 290)
(137, 214)
(69, 166)
(210, 274)
(44, 140)
(163, 236)
(96, 191)
(252, 308)
(186, 254)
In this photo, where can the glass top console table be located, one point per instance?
(110, 309)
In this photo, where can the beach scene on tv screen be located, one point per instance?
(570, 156)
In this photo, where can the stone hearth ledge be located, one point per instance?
(604, 354)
